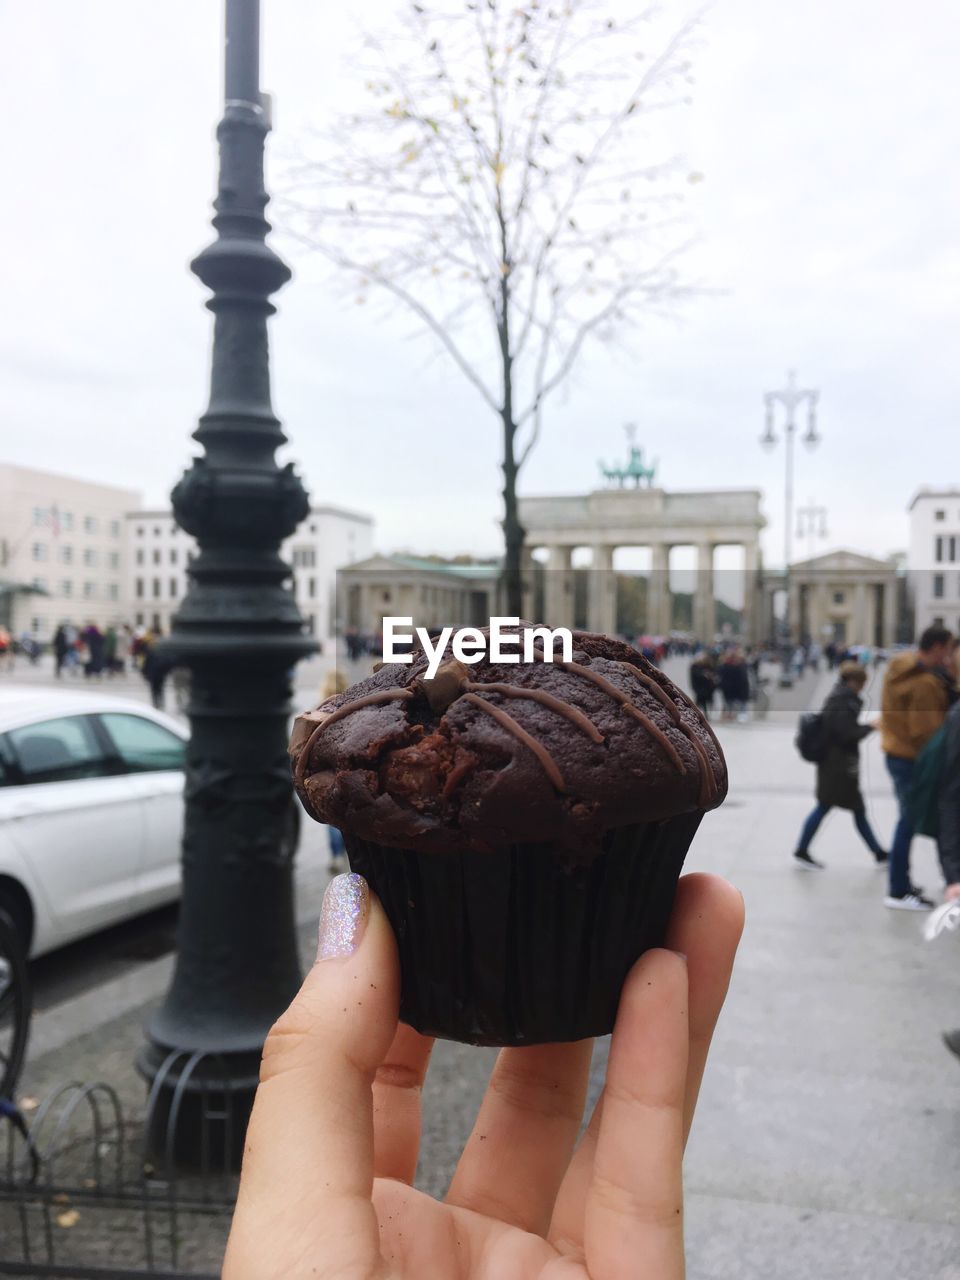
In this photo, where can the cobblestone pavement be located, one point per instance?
(827, 1142)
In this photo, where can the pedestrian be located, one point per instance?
(838, 771)
(948, 842)
(917, 692)
(110, 650)
(61, 648)
(703, 681)
(6, 648)
(734, 685)
(155, 668)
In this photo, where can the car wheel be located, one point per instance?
(15, 1005)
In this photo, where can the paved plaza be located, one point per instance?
(827, 1142)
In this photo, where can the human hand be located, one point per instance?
(951, 892)
(331, 1151)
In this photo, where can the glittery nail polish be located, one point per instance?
(343, 915)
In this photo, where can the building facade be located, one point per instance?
(73, 551)
(933, 558)
(607, 519)
(841, 597)
(433, 593)
(159, 554)
(62, 551)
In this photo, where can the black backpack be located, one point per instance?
(811, 740)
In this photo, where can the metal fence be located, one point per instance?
(81, 1200)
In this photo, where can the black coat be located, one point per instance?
(949, 840)
(838, 774)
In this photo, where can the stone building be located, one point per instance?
(607, 519)
(933, 559)
(434, 593)
(159, 553)
(62, 551)
(75, 551)
(840, 596)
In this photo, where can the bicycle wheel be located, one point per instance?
(15, 1005)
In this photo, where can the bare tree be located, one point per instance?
(506, 171)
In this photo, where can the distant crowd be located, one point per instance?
(92, 652)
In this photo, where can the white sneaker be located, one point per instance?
(908, 902)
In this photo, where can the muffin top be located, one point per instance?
(495, 753)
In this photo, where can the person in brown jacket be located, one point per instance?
(917, 692)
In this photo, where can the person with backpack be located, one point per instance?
(833, 739)
(918, 689)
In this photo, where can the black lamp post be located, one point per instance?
(240, 633)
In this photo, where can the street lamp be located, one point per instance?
(812, 524)
(240, 634)
(791, 398)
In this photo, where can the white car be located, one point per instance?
(91, 812)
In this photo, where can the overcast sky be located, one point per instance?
(829, 224)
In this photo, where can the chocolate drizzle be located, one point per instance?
(518, 731)
(573, 714)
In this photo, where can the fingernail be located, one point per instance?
(682, 955)
(343, 916)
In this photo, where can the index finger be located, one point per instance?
(309, 1151)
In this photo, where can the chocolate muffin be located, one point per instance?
(523, 824)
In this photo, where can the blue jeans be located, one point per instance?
(901, 771)
(818, 815)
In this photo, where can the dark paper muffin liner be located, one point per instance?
(516, 947)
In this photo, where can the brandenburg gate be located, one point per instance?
(643, 517)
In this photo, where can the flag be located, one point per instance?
(51, 520)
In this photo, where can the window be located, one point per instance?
(58, 751)
(938, 586)
(114, 591)
(174, 591)
(173, 555)
(157, 585)
(952, 549)
(156, 532)
(304, 557)
(311, 587)
(938, 622)
(66, 587)
(89, 590)
(8, 772)
(90, 557)
(838, 597)
(39, 517)
(139, 619)
(139, 588)
(66, 554)
(144, 747)
(114, 528)
(90, 524)
(139, 555)
(114, 559)
(938, 550)
(156, 555)
(939, 515)
(40, 551)
(139, 530)
(66, 520)
(40, 584)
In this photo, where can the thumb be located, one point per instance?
(308, 1157)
